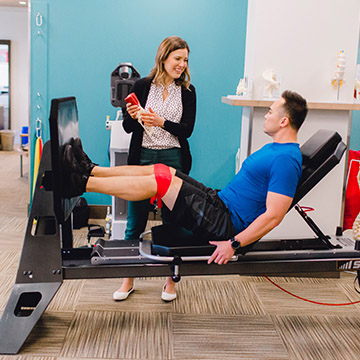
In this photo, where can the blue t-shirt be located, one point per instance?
(276, 167)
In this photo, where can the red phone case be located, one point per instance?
(132, 99)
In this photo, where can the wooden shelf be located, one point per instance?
(311, 105)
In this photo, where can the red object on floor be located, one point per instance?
(352, 195)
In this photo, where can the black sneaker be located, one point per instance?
(83, 160)
(74, 178)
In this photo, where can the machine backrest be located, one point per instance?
(321, 153)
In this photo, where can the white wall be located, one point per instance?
(14, 27)
(300, 40)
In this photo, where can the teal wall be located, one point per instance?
(82, 41)
(355, 127)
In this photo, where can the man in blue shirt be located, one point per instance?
(250, 206)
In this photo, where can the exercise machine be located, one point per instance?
(123, 78)
(49, 237)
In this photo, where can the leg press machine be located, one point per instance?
(49, 257)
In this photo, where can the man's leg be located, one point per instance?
(89, 168)
(124, 170)
(200, 210)
(160, 181)
(134, 188)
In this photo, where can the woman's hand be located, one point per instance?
(151, 118)
(132, 110)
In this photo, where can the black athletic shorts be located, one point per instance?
(200, 210)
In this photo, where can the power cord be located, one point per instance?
(312, 301)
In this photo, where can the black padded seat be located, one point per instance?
(171, 240)
(321, 153)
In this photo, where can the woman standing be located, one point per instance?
(169, 101)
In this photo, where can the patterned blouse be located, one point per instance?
(171, 110)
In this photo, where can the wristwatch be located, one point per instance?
(235, 244)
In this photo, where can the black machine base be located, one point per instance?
(26, 304)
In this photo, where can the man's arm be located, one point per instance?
(277, 206)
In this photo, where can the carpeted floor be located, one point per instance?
(214, 317)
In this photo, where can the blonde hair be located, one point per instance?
(167, 46)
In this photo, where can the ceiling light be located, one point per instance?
(22, 2)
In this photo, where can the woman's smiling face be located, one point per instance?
(176, 63)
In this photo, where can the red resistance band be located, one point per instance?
(163, 180)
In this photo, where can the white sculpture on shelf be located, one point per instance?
(357, 89)
(357, 84)
(271, 83)
(338, 79)
(241, 88)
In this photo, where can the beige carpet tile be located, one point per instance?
(71, 358)
(15, 189)
(226, 337)
(119, 335)
(98, 294)
(6, 285)
(15, 210)
(320, 337)
(47, 337)
(9, 261)
(290, 279)
(278, 302)
(16, 195)
(67, 296)
(79, 239)
(22, 357)
(10, 224)
(217, 297)
(349, 290)
(215, 277)
(11, 241)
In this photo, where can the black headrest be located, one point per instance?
(321, 153)
(317, 149)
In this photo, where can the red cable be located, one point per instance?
(311, 301)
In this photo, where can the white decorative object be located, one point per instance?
(357, 84)
(241, 88)
(338, 79)
(271, 84)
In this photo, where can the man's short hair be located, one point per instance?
(296, 108)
